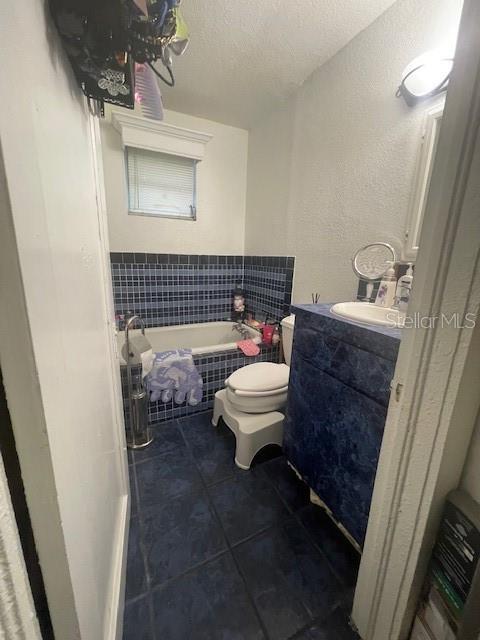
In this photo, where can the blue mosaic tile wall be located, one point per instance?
(214, 369)
(174, 289)
(170, 289)
(268, 282)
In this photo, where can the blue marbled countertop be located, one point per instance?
(383, 341)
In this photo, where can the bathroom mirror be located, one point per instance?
(371, 262)
(423, 174)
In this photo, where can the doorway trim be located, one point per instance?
(432, 416)
(114, 619)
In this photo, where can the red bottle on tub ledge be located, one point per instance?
(268, 331)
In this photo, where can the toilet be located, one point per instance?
(252, 401)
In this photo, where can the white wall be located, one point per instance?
(221, 194)
(270, 156)
(56, 340)
(333, 168)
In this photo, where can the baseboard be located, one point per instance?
(114, 620)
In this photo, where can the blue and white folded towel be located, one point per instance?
(174, 375)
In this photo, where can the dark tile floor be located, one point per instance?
(219, 553)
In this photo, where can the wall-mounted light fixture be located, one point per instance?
(426, 76)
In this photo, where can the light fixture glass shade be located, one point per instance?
(426, 76)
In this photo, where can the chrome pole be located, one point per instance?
(139, 434)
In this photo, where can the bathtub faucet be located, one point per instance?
(242, 330)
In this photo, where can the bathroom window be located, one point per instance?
(160, 184)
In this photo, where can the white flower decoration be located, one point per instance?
(113, 82)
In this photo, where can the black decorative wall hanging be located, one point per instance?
(104, 39)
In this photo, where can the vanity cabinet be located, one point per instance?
(337, 405)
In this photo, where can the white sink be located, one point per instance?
(368, 313)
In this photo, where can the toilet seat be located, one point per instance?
(260, 377)
(258, 388)
(259, 394)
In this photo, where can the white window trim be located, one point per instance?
(152, 135)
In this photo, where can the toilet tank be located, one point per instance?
(288, 326)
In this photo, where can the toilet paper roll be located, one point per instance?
(147, 362)
(138, 345)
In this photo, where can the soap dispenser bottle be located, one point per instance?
(387, 288)
(404, 289)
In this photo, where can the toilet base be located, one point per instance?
(252, 431)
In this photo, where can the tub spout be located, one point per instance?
(242, 330)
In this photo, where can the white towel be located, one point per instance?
(147, 358)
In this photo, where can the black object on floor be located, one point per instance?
(217, 552)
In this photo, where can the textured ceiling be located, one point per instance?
(246, 55)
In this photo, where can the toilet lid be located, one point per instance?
(261, 376)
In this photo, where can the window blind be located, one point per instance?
(160, 184)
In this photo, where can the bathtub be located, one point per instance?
(215, 354)
(203, 338)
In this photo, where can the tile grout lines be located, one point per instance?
(229, 547)
(309, 535)
(316, 547)
(147, 593)
(150, 588)
(291, 514)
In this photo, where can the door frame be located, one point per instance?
(433, 411)
(26, 408)
(114, 622)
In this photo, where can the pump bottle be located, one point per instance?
(387, 288)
